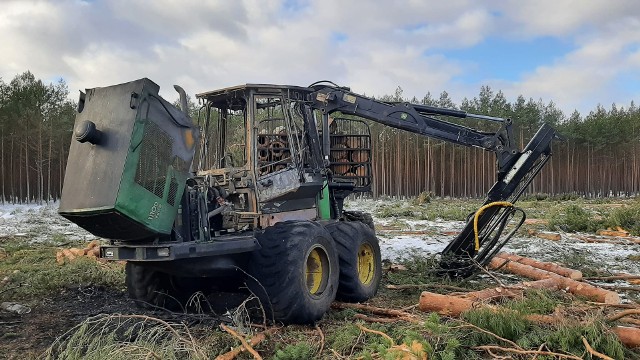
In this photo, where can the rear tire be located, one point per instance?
(152, 289)
(360, 216)
(360, 260)
(296, 271)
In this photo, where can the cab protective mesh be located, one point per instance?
(155, 159)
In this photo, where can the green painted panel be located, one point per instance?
(324, 206)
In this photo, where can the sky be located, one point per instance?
(577, 53)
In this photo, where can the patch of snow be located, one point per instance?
(395, 246)
(38, 223)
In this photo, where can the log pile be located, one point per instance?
(350, 156)
(274, 152)
(547, 276)
(537, 270)
(92, 250)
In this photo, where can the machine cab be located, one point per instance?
(259, 148)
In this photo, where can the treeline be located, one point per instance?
(598, 155)
(36, 121)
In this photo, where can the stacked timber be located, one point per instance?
(274, 152)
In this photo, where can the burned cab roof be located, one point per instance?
(241, 91)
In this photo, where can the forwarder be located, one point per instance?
(255, 191)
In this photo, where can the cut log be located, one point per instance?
(520, 269)
(494, 293)
(615, 233)
(446, 304)
(92, 244)
(454, 306)
(545, 235)
(629, 336)
(591, 292)
(536, 222)
(572, 286)
(548, 266)
(68, 254)
(552, 283)
(78, 252)
(514, 291)
(59, 257)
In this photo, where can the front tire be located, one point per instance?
(360, 260)
(296, 271)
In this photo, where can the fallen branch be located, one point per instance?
(616, 287)
(377, 333)
(421, 286)
(622, 314)
(321, 339)
(489, 348)
(373, 319)
(617, 306)
(470, 325)
(613, 277)
(593, 352)
(631, 321)
(371, 309)
(245, 346)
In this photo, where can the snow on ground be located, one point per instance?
(431, 237)
(39, 223)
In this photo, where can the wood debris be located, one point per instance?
(536, 222)
(545, 235)
(570, 285)
(548, 266)
(92, 250)
(618, 232)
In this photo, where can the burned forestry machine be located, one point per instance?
(254, 192)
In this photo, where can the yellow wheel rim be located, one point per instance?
(317, 270)
(366, 264)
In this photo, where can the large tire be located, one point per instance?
(289, 285)
(152, 289)
(360, 260)
(361, 216)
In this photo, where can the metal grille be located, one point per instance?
(155, 158)
(173, 189)
(274, 149)
(350, 155)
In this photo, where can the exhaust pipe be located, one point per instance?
(183, 99)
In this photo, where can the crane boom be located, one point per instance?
(481, 238)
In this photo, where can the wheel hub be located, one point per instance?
(366, 264)
(317, 270)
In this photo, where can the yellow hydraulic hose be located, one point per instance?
(479, 212)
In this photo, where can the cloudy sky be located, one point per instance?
(576, 53)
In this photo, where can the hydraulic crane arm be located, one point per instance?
(481, 239)
(419, 119)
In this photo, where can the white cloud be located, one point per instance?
(588, 75)
(209, 44)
